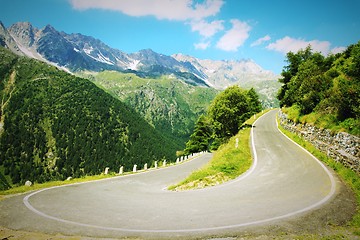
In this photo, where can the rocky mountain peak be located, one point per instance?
(24, 33)
(7, 41)
(3, 32)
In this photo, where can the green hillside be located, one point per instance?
(170, 105)
(55, 125)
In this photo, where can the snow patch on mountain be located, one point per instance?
(134, 65)
(102, 58)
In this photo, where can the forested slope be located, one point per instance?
(169, 104)
(55, 125)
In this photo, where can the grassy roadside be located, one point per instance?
(320, 120)
(38, 186)
(227, 163)
(347, 175)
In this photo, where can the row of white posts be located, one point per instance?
(178, 160)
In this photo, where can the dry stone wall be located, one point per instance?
(342, 147)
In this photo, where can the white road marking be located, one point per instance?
(248, 173)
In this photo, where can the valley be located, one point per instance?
(69, 121)
(167, 103)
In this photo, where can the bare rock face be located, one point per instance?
(342, 147)
(24, 33)
(7, 41)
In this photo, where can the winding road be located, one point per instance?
(284, 181)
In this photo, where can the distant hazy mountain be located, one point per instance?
(221, 74)
(76, 52)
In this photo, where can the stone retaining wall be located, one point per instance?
(342, 147)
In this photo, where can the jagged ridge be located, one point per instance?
(76, 52)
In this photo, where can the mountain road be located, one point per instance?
(284, 181)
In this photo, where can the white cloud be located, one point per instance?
(206, 29)
(261, 41)
(180, 10)
(235, 37)
(288, 44)
(202, 45)
(338, 50)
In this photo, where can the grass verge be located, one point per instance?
(38, 186)
(228, 162)
(347, 175)
(320, 120)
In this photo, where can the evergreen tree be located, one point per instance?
(253, 102)
(200, 139)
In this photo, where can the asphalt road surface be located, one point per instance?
(283, 182)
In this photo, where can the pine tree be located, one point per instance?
(200, 139)
(253, 101)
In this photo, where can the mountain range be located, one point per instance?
(76, 52)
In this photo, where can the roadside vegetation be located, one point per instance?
(224, 129)
(323, 91)
(229, 162)
(225, 117)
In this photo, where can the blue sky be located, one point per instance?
(208, 29)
